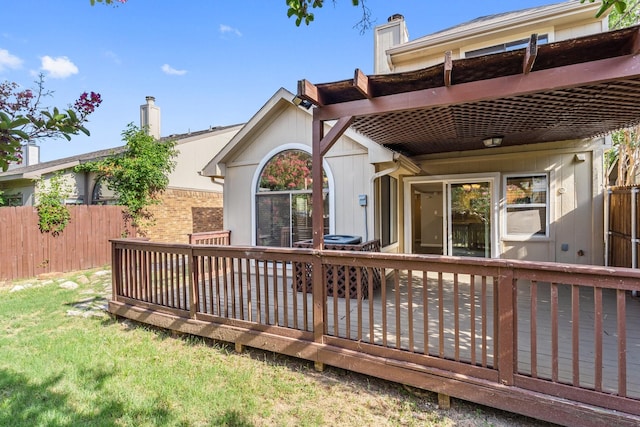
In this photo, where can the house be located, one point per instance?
(528, 192)
(191, 203)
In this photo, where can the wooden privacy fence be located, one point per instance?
(552, 341)
(84, 243)
(623, 227)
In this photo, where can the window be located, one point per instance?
(283, 200)
(505, 47)
(527, 205)
(388, 196)
(11, 199)
(102, 195)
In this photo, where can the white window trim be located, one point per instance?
(526, 237)
(258, 172)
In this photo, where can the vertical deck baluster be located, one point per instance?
(285, 293)
(598, 338)
(472, 317)
(359, 301)
(297, 267)
(227, 269)
(347, 302)
(172, 272)
(622, 342)
(276, 307)
(425, 311)
(236, 267)
(575, 334)
(410, 309)
(265, 292)
(248, 317)
(209, 280)
(372, 337)
(241, 281)
(484, 322)
(219, 268)
(554, 332)
(533, 322)
(396, 289)
(163, 279)
(440, 315)
(336, 325)
(258, 291)
(383, 302)
(456, 316)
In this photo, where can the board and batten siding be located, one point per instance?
(347, 160)
(576, 191)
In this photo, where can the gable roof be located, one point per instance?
(281, 100)
(572, 89)
(39, 169)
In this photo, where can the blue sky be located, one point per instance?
(207, 62)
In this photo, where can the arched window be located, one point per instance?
(283, 200)
(101, 194)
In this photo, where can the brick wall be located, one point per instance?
(182, 212)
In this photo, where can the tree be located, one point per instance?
(139, 175)
(23, 119)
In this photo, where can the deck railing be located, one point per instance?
(521, 330)
(220, 237)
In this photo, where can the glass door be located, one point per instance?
(470, 219)
(451, 215)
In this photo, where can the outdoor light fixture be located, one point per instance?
(494, 141)
(301, 102)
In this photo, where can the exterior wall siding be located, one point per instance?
(576, 196)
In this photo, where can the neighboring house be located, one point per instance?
(191, 203)
(535, 198)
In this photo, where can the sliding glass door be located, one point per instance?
(450, 216)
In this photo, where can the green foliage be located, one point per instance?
(53, 214)
(139, 175)
(618, 5)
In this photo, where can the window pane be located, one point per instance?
(530, 221)
(526, 190)
(274, 220)
(289, 170)
(388, 210)
(301, 221)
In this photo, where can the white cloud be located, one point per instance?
(224, 29)
(8, 60)
(59, 68)
(167, 69)
(113, 57)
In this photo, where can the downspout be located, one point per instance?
(375, 176)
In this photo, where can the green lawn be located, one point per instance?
(62, 364)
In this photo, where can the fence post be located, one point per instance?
(506, 326)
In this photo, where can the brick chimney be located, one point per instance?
(150, 117)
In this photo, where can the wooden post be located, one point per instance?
(116, 271)
(506, 326)
(317, 279)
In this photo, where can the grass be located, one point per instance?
(62, 370)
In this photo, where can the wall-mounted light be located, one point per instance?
(494, 141)
(301, 102)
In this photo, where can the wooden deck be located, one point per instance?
(553, 342)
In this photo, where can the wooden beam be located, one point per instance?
(530, 54)
(334, 133)
(565, 77)
(635, 47)
(308, 91)
(361, 82)
(448, 67)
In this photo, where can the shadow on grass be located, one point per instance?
(26, 403)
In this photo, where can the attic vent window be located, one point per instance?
(505, 47)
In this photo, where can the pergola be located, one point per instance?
(572, 89)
